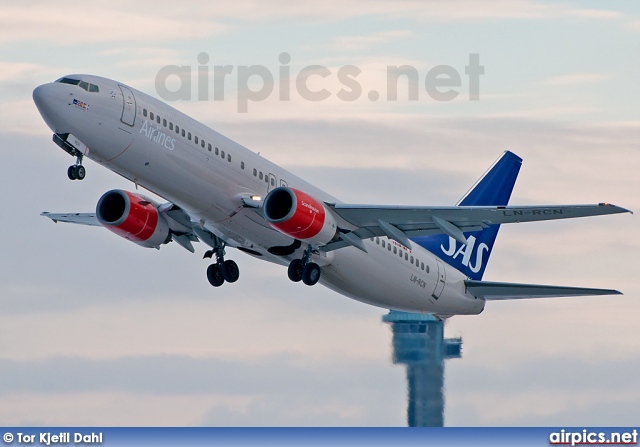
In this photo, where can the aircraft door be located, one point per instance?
(273, 182)
(442, 279)
(128, 106)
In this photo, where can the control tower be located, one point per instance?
(419, 343)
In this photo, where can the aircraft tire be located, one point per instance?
(295, 270)
(311, 273)
(214, 275)
(230, 271)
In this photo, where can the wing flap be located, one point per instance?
(492, 291)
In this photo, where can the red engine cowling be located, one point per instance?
(133, 217)
(300, 216)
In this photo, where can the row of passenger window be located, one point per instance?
(187, 135)
(402, 254)
(155, 117)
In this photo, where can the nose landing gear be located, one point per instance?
(77, 171)
(303, 270)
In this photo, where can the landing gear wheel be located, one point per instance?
(214, 275)
(295, 270)
(72, 173)
(311, 273)
(230, 271)
(81, 172)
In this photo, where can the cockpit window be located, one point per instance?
(83, 85)
(69, 81)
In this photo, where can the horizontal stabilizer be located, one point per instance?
(510, 291)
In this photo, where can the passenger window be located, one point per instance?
(255, 172)
(427, 269)
(170, 126)
(196, 140)
(217, 151)
(389, 247)
(151, 116)
(400, 253)
(411, 259)
(164, 122)
(378, 240)
(229, 158)
(144, 112)
(273, 182)
(383, 244)
(177, 129)
(266, 179)
(183, 132)
(261, 176)
(189, 136)
(242, 165)
(209, 147)
(158, 118)
(395, 250)
(222, 154)
(406, 256)
(202, 144)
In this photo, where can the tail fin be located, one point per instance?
(493, 189)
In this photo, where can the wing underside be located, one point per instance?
(492, 291)
(400, 223)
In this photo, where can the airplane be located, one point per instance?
(427, 259)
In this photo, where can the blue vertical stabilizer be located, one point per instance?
(493, 189)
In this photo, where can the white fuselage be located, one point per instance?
(208, 182)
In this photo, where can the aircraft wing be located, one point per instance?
(180, 226)
(511, 291)
(400, 222)
(76, 218)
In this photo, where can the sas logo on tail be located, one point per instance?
(466, 252)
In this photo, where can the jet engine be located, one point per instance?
(133, 217)
(300, 216)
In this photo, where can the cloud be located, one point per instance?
(263, 390)
(633, 26)
(105, 24)
(562, 393)
(144, 21)
(577, 78)
(368, 40)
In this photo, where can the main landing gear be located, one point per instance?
(222, 270)
(303, 270)
(77, 171)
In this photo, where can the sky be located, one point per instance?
(95, 330)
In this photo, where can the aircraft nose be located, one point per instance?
(42, 96)
(45, 100)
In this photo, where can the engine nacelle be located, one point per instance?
(300, 216)
(133, 217)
